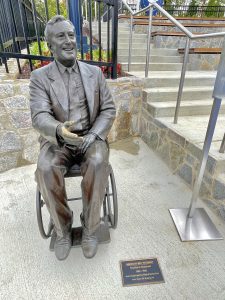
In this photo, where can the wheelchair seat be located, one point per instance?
(74, 171)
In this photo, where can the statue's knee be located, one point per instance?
(97, 161)
(44, 169)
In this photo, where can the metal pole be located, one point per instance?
(206, 147)
(181, 85)
(86, 9)
(46, 10)
(130, 42)
(222, 146)
(148, 42)
(24, 32)
(114, 40)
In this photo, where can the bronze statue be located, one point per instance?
(73, 110)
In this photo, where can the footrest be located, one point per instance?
(102, 234)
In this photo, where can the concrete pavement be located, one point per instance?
(146, 190)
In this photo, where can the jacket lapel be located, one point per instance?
(58, 87)
(89, 85)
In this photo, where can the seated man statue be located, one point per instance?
(73, 110)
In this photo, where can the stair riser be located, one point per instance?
(184, 111)
(125, 40)
(172, 96)
(174, 82)
(153, 67)
(158, 52)
(154, 58)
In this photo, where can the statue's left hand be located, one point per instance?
(87, 141)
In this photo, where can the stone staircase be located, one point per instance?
(180, 145)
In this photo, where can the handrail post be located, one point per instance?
(205, 152)
(148, 42)
(130, 42)
(182, 77)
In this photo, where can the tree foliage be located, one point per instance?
(193, 8)
(52, 8)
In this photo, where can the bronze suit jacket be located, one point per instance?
(50, 105)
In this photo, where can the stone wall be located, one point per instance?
(18, 140)
(183, 158)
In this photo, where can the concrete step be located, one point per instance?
(153, 66)
(187, 108)
(170, 93)
(172, 78)
(154, 51)
(154, 58)
(135, 45)
(135, 40)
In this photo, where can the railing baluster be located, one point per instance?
(182, 77)
(148, 42)
(24, 33)
(99, 32)
(90, 28)
(46, 10)
(4, 60)
(130, 42)
(35, 26)
(108, 38)
(114, 40)
(57, 7)
(8, 12)
(81, 32)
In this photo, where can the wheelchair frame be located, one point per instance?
(110, 207)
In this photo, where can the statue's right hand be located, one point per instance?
(70, 138)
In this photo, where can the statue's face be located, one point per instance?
(63, 43)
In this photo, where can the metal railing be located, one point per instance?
(189, 36)
(23, 21)
(195, 10)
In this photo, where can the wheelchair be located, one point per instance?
(109, 212)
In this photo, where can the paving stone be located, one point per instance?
(6, 90)
(30, 154)
(185, 172)
(177, 155)
(218, 190)
(22, 89)
(21, 119)
(190, 159)
(163, 150)
(123, 121)
(125, 106)
(153, 140)
(136, 93)
(16, 102)
(8, 161)
(10, 141)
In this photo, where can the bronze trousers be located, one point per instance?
(53, 163)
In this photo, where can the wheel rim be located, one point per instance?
(39, 204)
(112, 216)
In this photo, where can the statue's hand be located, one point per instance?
(70, 138)
(87, 141)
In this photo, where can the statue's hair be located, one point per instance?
(51, 22)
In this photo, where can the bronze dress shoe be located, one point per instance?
(89, 243)
(62, 246)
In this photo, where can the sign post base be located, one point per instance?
(198, 228)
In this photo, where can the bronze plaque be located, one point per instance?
(141, 271)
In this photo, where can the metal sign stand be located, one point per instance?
(194, 224)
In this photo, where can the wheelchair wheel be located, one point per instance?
(39, 205)
(110, 201)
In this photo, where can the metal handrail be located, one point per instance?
(190, 36)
